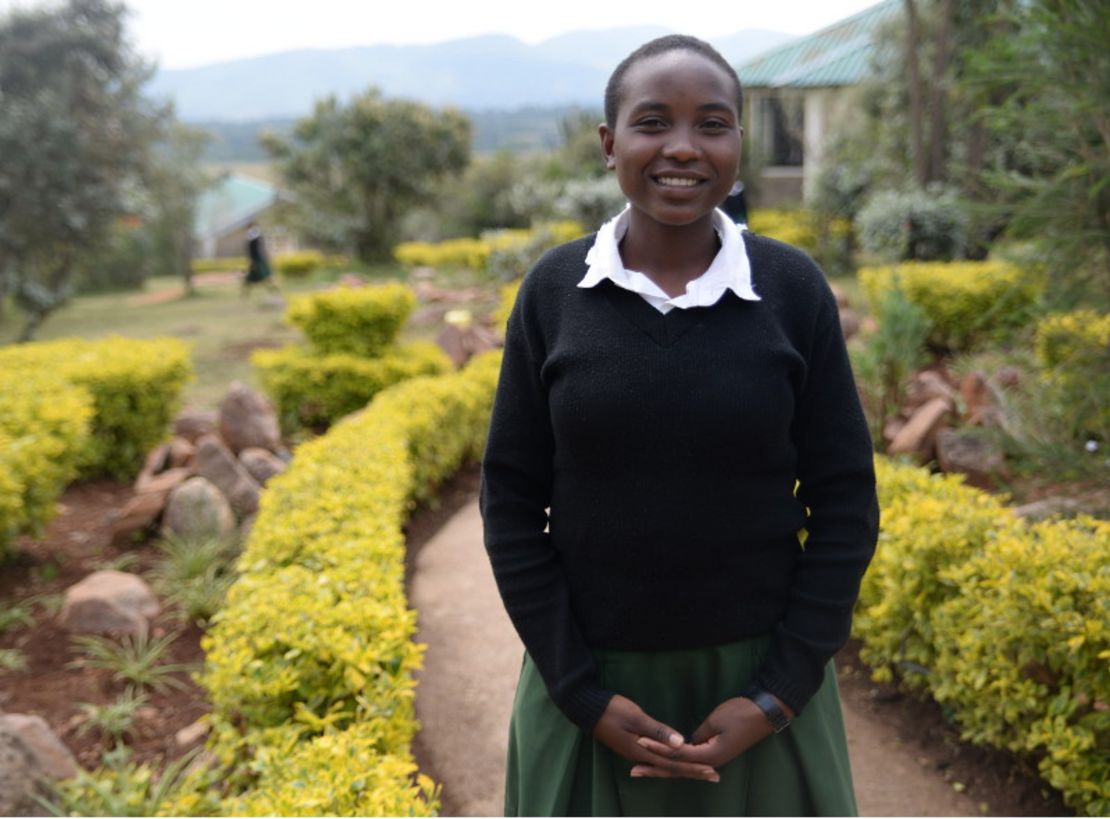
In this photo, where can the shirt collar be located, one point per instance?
(729, 270)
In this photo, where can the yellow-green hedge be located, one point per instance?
(966, 302)
(795, 227)
(44, 429)
(1073, 350)
(135, 384)
(474, 253)
(309, 665)
(221, 265)
(298, 264)
(357, 320)
(315, 390)
(1006, 623)
(505, 303)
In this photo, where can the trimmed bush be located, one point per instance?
(449, 254)
(315, 390)
(357, 320)
(221, 265)
(505, 304)
(1006, 623)
(1073, 350)
(966, 302)
(311, 660)
(503, 248)
(300, 264)
(136, 388)
(44, 430)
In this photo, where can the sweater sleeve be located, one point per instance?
(836, 482)
(515, 493)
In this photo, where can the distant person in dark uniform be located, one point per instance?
(258, 270)
(735, 205)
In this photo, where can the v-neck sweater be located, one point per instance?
(647, 477)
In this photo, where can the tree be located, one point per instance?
(356, 169)
(1043, 83)
(75, 134)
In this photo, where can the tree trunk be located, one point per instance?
(34, 321)
(938, 102)
(917, 108)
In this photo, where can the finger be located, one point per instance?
(692, 770)
(656, 747)
(711, 752)
(660, 733)
(703, 733)
(649, 771)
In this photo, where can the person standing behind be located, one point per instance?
(259, 266)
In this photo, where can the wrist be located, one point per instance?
(773, 710)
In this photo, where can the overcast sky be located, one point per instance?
(185, 33)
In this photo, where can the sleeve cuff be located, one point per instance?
(584, 705)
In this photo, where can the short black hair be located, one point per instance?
(663, 45)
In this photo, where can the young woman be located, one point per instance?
(678, 489)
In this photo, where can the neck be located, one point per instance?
(670, 255)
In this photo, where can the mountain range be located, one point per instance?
(490, 72)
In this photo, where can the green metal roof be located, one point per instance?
(837, 55)
(231, 203)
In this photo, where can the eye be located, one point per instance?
(716, 125)
(650, 123)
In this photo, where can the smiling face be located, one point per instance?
(675, 144)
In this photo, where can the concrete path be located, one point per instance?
(470, 671)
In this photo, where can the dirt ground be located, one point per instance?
(74, 544)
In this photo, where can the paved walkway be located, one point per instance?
(470, 670)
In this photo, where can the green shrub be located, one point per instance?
(1006, 623)
(1073, 350)
(135, 385)
(300, 264)
(922, 225)
(357, 320)
(966, 302)
(316, 390)
(505, 304)
(44, 432)
(311, 660)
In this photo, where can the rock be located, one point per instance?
(918, 436)
(109, 602)
(164, 482)
(973, 455)
(182, 453)
(925, 386)
(1008, 377)
(247, 419)
(981, 403)
(218, 465)
(1049, 508)
(18, 776)
(49, 752)
(191, 424)
(197, 510)
(841, 299)
(138, 515)
(849, 322)
(461, 341)
(191, 734)
(261, 463)
(157, 460)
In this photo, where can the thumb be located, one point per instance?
(660, 732)
(704, 733)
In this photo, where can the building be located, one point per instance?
(795, 93)
(225, 210)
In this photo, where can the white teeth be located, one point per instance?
(677, 182)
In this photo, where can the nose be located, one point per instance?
(681, 145)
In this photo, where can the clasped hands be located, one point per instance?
(657, 750)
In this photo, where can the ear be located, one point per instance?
(607, 145)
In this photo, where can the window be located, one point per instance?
(781, 129)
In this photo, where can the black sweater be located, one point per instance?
(668, 448)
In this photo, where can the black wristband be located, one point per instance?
(770, 707)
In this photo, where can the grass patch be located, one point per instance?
(222, 326)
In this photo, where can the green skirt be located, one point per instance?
(555, 769)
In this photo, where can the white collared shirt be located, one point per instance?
(730, 269)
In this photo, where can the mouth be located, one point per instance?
(677, 182)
